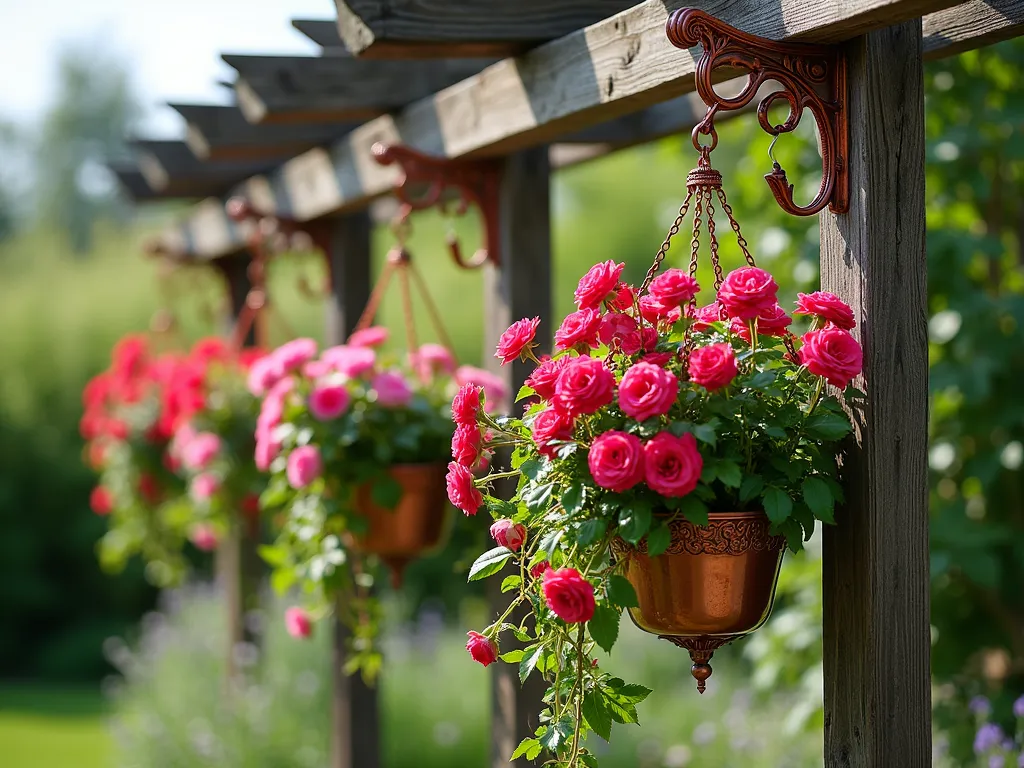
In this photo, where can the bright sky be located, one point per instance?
(173, 47)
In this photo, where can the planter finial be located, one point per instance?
(701, 650)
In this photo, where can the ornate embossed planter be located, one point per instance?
(404, 533)
(713, 584)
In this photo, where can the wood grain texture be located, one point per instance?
(972, 25)
(875, 573)
(521, 287)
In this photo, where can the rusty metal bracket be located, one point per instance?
(812, 77)
(477, 182)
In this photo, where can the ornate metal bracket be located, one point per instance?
(476, 181)
(803, 70)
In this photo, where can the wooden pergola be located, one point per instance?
(546, 84)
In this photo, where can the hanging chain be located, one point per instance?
(410, 322)
(735, 227)
(672, 232)
(376, 295)
(432, 311)
(715, 263)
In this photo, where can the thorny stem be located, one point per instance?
(817, 396)
(579, 698)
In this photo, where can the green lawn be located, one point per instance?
(44, 727)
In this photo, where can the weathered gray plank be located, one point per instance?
(972, 25)
(132, 182)
(215, 132)
(173, 170)
(337, 88)
(876, 583)
(323, 32)
(408, 29)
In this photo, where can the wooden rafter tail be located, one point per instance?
(323, 32)
(172, 169)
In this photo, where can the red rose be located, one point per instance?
(508, 534)
(616, 461)
(466, 405)
(673, 287)
(584, 387)
(616, 327)
(772, 322)
(827, 306)
(833, 354)
(595, 286)
(672, 465)
(101, 500)
(569, 595)
(542, 380)
(703, 317)
(481, 649)
(551, 428)
(654, 312)
(623, 299)
(461, 491)
(298, 623)
(748, 292)
(578, 329)
(517, 341)
(647, 390)
(540, 569)
(713, 366)
(467, 445)
(657, 358)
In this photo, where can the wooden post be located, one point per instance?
(355, 718)
(520, 287)
(876, 630)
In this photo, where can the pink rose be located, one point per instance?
(673, 287)
(467, 445)
(672, 465)
(772, 322)
(517, 340)
(508, 534)
(203, 537)
(657, 358)
(263, 374)
(713, 366)
(542, 380)
(373, 336)
(654, 312)
(617, 328)
(578, 330)
(352, 362)
(292, 355)
(833, 354)
(101, 500)
(550, 430)
(271, 412)
(466, 405)
(200, 451)
(462, 493)
(747, 292)
(481, 649)
(328, 401)
(827, 306)
(647, 390)
(616, 461)
(495, 390)
(316, 369)
(267, 449)
(585, 386)
(436, 358)
(393, 391)
(569, 595)
(704, 316)
(622, 300)
(298, 623)
(304, 466)
(595, 286)
(204, 486)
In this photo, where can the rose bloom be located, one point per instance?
(673, 287)
(711, 313)
(494, 387)
(747, 292)
(481, 649)
(149, 489)
(467, 445)
(204, 537)
(373, 336)
(569, 595)
(549, 430)
(713, 366)
(772, 322)
(204, 486)
(316, 369)
(267, 449)
(517, 340)
(263, 374)
(508, 534)
(436, 358)
(200, 451)
(461, 491)
(654, 312)
(352, 362)
(542, 380)
(540, 569)
(292, 355)
(271, 412)
(304, 466)
(101, 501)
(672, 465)
(466, 405)
(616, 461)
(647, 390)
(827, 306)
(298, 622)
(616, 327)
(594, 287)
(328, 401)
(578, 329)
(393, 391)
(585, 386)
(657, 358)
(833, 354)
(622, 300)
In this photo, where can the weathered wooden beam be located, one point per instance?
(972, 25)
(336, 88)
(173, 170)
(132, 182)
(875, 566)
(216, 132)
(409, 29)
(324, 33)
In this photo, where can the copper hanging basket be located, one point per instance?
(415, 526)
(713, 585)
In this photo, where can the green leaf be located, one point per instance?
(538, 498)
(596, 713)
(533, 468)
(274, 556)
(777, 504)
(513, 657)
(818, 496)
(282, 579)
(658, 540)
(528, 748)
(529, 662)
(694, 510)
(621, 592)
(386, 492)
(511, 582)
(590, 531)
(729, 473)
(634, 522)
(825, 425)
(573, 498)
(706, 432)
(604, 626)
(751, 487)
(490, 562)
(548, 544)
(525, 392)
(633, 692)
(622, 710)
(761, 379)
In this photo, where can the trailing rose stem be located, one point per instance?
(579, 698)
(817, 396)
